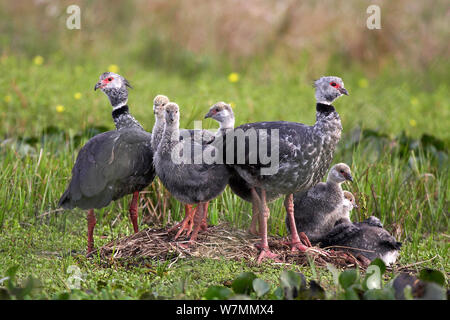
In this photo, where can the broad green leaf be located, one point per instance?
(217, 293)
(430, 275)
(278, 294)
(290, 279)
(243, 283)
(379, 294)
(347, 278)
(380, 263)
(350, 294)
(261, 287)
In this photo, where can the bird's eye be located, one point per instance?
(217, 110)
(110, 79)
(342, 171)
(333, 84)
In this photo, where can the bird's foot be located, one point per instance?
(304, 239)
(184, 226)
(265, 253)
(298, 246)
(204, 226)
(185, 245)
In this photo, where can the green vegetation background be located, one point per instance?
(261, 57)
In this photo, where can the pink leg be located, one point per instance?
(188, 221)
(198, 218)
(254, 224)
(204, 225)
(134, 211)
(296, 244)
(187, 210)
(263, 216)
(91, 225)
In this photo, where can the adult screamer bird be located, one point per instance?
(111, 164)
(304, 156)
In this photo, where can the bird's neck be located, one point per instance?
(328, 123)
(228, 123)
(123, 119)
(157, 132)
(170, 138)
(324, 108)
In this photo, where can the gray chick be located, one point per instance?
(317, 210)
(367, 239)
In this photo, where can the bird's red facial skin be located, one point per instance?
(334, 84)
(106, 81)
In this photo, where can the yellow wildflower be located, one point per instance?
(60, 108)
(414, 101)
(38, 60)
(113, 68)
(363, 83)
(233, 77)
(232, 104)
(77, 95)
(412, 122)
(7, 98)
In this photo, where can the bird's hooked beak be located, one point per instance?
(343, 91)
(98, 85)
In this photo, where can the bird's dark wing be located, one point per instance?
(295, 142)
(104, 166)
(340, 233)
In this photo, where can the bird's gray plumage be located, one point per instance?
(368, 235)
(305, 153)
(160, 101)
(189, 183)
(297, 160)
(224, 115)
(159, 104)
(317, 210)
(114, 163)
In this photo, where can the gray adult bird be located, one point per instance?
(190, 181)
(111, 164)
(366, 240)
(317, 210)
(224, 115)
(304, 156)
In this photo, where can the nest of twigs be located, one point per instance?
(218, 242)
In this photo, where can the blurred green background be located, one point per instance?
(259, 56)
(397, 76)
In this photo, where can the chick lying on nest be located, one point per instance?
(368, 240)
(365, 240)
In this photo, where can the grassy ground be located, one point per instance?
(404, 185)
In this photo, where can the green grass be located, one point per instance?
(407, 190)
